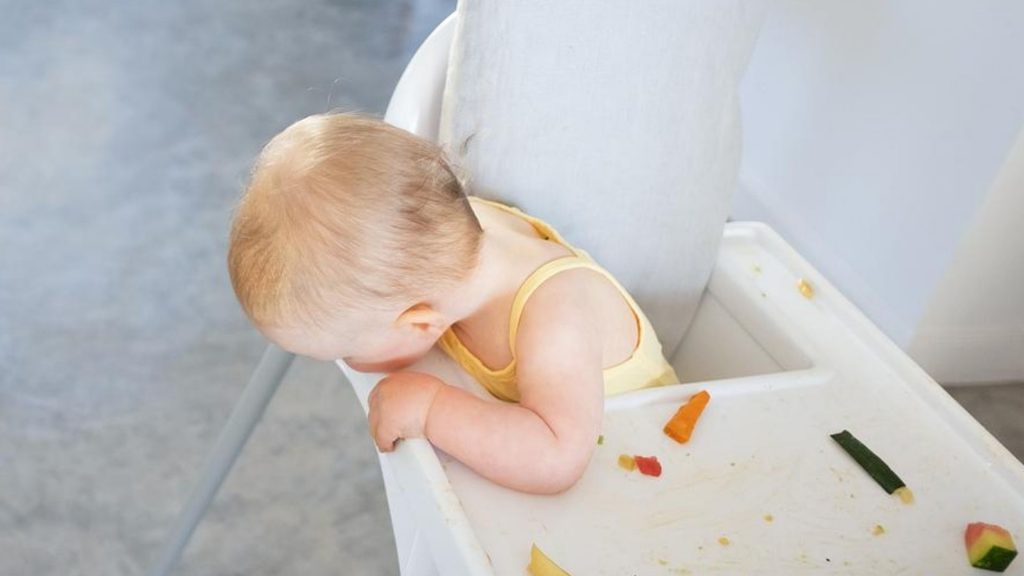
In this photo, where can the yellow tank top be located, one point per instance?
(646, 367)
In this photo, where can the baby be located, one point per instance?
(356, 240)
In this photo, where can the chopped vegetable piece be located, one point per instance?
(723, 541)
(989, 547)
(681, 426)
(878, 530)
(626, 461)
(769, 518)
(805, 288)
(872, 464)
(541, 565)
(600, 439)
(648, 465)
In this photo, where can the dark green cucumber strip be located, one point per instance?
(871, 463)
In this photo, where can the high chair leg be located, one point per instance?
(247, 412)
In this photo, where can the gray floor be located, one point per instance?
(126, 130)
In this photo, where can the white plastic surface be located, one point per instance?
(761, 448)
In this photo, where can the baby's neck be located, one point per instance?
(489, 280)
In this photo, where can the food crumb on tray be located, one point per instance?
(805, 288)
(648, 465)
(627, 462)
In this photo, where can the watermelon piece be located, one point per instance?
(648, 465)
(989, 547)
(541, 565)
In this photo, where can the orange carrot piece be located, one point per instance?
(680, 427)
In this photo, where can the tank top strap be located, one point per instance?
(535, 280)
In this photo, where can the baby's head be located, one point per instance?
(348, 234)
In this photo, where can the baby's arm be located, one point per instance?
(544, 443)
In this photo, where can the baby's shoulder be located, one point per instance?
(581, 297)
(581, 306)
(559, 324)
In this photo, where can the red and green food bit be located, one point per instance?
(989, 547)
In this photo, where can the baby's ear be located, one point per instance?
(421, 316)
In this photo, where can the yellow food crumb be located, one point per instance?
(906, 496)
(662, 562)
(805, 288)
(627, 462)
(723, 541)
(768, 518)
(878, 530)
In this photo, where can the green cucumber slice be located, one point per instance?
(871, 463)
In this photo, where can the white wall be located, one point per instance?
(873, 132)
(973, 328)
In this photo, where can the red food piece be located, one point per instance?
(648, 465)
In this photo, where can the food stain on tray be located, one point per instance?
(805, 288)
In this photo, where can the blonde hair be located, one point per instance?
(344, 212)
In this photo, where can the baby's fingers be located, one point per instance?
(383, 437)
(385, 442)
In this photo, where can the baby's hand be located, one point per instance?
(399, 405)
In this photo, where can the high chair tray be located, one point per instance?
(760, 488)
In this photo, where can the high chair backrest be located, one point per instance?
(615, 121)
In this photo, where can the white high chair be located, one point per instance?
(760, 488)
